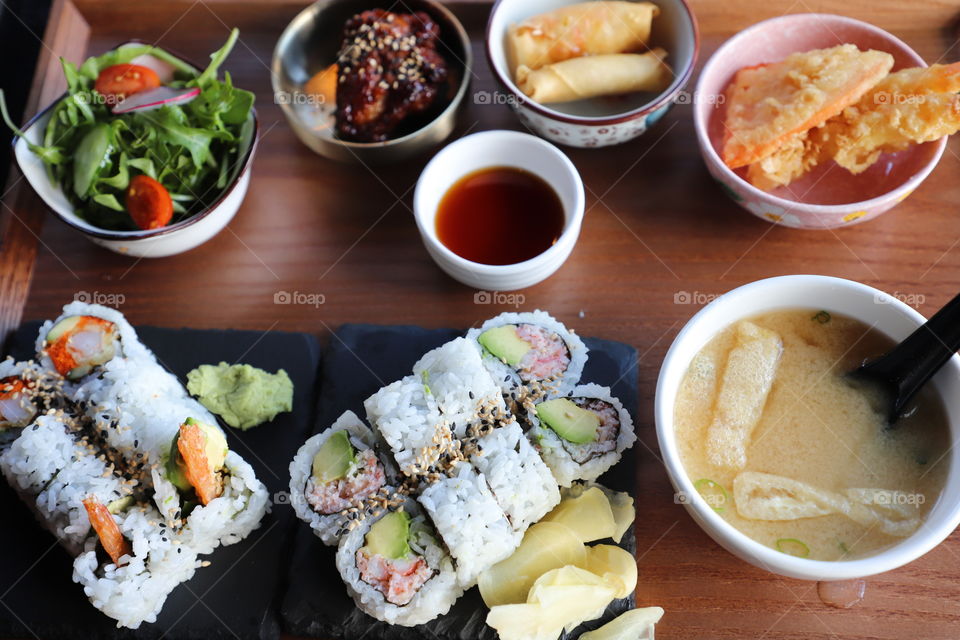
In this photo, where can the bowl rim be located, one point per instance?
(142, 234)
(661, 100)
(276, 64)
(902, 552)
(571, 225)
(700, 125)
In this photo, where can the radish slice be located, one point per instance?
(165, 71)
(155, 98)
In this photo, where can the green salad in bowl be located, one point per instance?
(142, 140)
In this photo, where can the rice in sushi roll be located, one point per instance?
(473, 526)
(336, 471)
(520, 481)
(437, 404)
(582, 434)
(530, 355)
(396, 568)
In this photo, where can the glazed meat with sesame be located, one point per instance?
(389, 71)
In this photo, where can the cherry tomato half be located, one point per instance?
(149, 203)
(121, 80)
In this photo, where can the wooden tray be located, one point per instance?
(659, 240)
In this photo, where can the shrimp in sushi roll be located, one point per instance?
(78, 344)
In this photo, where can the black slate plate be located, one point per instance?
(360, 360)
(236, 597)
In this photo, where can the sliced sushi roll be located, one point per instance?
(520, 481)
(17, 391)
(53, 470)
(76, 344)
(131, 561)
(396, 568)
(447, 393)
(207, 491)
(472, 525)
(334, 472)
(583, 434)
(530, 355)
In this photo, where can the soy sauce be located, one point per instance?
(499, 215)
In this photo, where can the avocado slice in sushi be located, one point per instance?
(570, 422)
(504, 343)
(215, 449)
(388, 537)
(78, 344)
(334, 459)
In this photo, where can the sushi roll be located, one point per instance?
(396, 568)
(530, 355)
(435, 406)
(334, 472)
(139, 408)
(472, 525)
(520, 481)
(53, 470)
(125, 558)
(131, 561)
(207, 492)
(583, 434)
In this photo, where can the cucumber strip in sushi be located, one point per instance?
(473, 526)
(335, 472)
(530, 355)
(396, 568)
(582, 434)
(521, 482)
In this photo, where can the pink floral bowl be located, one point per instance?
(595, 122)
(828, 196)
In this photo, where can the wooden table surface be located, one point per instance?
(659, 239)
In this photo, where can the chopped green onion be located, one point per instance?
(823, 317)
(714, 493)
(843, 547)
(793, 547)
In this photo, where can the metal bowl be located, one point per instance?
(310, 44)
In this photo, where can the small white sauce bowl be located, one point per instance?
(872, 306)
(499, 149)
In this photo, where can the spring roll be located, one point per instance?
(593, 76)
(587, 28)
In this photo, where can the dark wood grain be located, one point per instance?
(656, 226)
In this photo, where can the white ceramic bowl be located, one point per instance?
(155, 243)
(596, 122)
(499, 149)
(853, 299)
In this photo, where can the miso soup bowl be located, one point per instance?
(889, 315)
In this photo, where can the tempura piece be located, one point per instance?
(587, 28)
(908, 106)
(593, 76)
(747, 379)
(763, 496)
(769, 104)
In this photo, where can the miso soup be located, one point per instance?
(793, 453)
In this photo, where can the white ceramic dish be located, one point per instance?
(835, 295)
(156, 243)
(499, 149)
(597, 122)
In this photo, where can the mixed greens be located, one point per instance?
(154, 165)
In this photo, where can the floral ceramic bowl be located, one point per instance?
(828, 196)
(595, 122)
